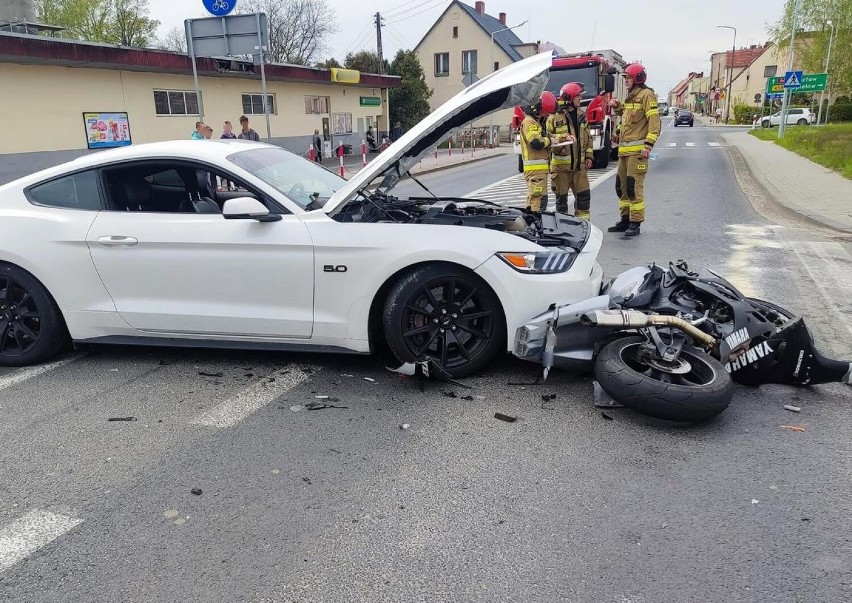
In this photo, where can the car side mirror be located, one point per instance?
(609, 83)
(248, 208)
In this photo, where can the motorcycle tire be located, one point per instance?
(701, 394)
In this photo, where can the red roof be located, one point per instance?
(40, 50)
(744, 56)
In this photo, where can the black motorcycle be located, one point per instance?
(669, 342)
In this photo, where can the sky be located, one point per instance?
(671, 38)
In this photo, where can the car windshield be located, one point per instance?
(587, 76)
(302, 181)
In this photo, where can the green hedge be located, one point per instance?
(743, 113)
(840, 112)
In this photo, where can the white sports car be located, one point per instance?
(235, 244)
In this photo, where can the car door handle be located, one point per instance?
(117, 241)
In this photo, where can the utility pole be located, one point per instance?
(379, 43)
(782, 127)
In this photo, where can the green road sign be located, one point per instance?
(811, 82)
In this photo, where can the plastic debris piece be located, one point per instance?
(171, 514)
(203, 374)
(507, 418)
(322, 405)
(346, 375)
(793, 408)
(548, 397)
(370, 379)
(603, 399)
(798, 428)
(754, 501)
(180, 522)
(276, 471)
(122, 419)
(404, 426)
(196, 491)
(297, 408)
(321, 397)
(468, 398)
(606, 416)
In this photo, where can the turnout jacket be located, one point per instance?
(572, 157)
(640, 121)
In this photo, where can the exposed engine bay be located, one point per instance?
(548, 230)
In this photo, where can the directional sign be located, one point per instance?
(219, 8)
(793, 79)
(813, 82)
(775, 85)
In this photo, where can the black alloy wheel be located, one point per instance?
(31, 326)
(446, 314)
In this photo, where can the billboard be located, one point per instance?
(105, 130)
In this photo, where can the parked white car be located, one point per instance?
(797, 117)
(139, 246)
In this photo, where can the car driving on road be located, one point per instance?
(684, 117)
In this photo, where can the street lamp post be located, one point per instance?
(827, 59)
(491, 116)
(731, 78)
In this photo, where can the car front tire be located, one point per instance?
(31, 325)
(445, 313)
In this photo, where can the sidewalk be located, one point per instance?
(704, 120)
(353, 163)
(796, 183)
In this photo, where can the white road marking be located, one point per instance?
(512, 191)
(714, 144)
(690, 144)
(28, 373)
(29, 533)
(235, 409)
(672, 144)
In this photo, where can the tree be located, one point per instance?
(116, 21)
(409, 102)
(328, 64)
(174, 40)
(812, 38)
(365, 61)
(298, 29)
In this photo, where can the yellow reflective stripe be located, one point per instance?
(536, 168)
(631, 143)
(562, 159)
(632, 105)
(651, 137)
(637, 147)
(637, 206)
(651, 112)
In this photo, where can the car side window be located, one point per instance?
(77, 191)
(795, 111)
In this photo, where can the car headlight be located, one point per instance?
(541, 262)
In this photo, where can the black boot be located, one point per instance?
(632, 230)
(619, 226)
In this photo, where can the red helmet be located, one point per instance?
(546, 105)
(570, 91)
(637, 72)
(517, 117)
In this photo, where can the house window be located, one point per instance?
(770, 71)
(316, 104)
(496, 65)
(442, 64)
(455, 31)
(468, 61)
(342, 123)
(175, 102)
(253, 104)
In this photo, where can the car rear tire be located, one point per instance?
(691, 124)
(31, 325)
(802, 122)
(701, 394)
(765, 124)
(445, 313)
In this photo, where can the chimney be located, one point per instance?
(480, 7)
(503, 18)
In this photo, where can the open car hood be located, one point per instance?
(520, 83)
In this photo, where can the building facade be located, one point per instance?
(50, 84)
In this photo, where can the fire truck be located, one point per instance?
(596, 72)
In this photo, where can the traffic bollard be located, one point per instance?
(364, 153)
(340, 154)
(311, 153)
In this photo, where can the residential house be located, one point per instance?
(464, 45)
(697, 93)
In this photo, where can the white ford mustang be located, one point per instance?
(245, 245)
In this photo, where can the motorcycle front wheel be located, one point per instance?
(695, 389)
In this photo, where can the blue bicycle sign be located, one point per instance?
(219, 8)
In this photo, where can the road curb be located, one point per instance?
(743, 165)
(459, 163)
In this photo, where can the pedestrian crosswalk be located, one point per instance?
(512, 191)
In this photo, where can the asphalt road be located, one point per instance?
(342, 504)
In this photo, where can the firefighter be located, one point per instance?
(535, 151)
(640, 128)
(568, 164)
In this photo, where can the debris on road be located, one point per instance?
(798, 428)
(171, 514)
(196, 491)
(321, 397)
(347, 375)
(793, 408)
(548, 397)
(370, 379)
(321, 405)
(122, 419)
(203, 374)
(606, 416)
(506, 418)
(404, 426)
(297, 408)
(468, 398)
(450, 394)
(603, 399)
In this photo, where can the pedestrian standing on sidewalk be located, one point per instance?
(198, 133)
(535, 151)
(718, 115)
(396, 132)
(568, 164)
(317, 147)
(228, 131)
(640, 121)
(247, 133)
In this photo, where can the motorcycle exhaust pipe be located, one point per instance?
(633, 319)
